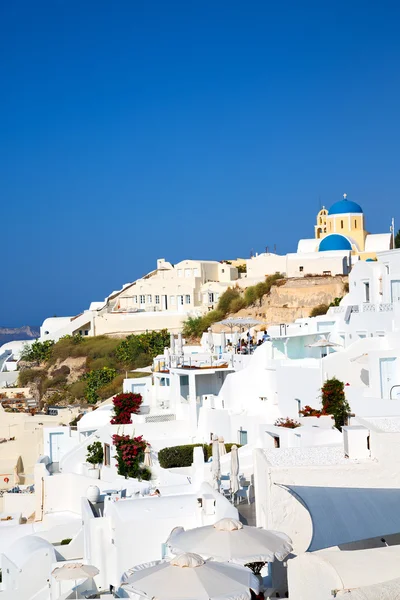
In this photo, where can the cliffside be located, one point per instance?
(296, 298)
(9, 334)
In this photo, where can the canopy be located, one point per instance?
(148, 462)
(234, 469)
(244, 322)
(189, 577)
(323, 343)
(74, 571)
(229, 540)
(216, 463)
(344, 515)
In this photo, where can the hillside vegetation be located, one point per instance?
(86, 369)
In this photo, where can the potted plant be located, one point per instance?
(95, 457)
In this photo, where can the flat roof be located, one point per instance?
(306, 457)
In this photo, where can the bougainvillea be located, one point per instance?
(334, 401)
(124, 406)
(288, 423)
(307, 411)
(130, 456)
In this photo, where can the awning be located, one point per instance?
(344, 515)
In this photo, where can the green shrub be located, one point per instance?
(182, 456)
(144, 346)
(250, 295)
(28, 375)
(144, 474)
(95, 454)
(112, 388)
(242, 268)
(38, 351)
(77, 389)
(321, 309)
(237, 304)
(226, 299)
(95, 380)
(193, 327)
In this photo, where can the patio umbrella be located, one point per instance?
(229, 539)
(234, 469)
(189, 577)
(223, 341)
(322, 343)
(172, 343)
(17, 479)
(221, 446)
(74, 571)
(210, 340)
(148, 462)
(361, 360)
(216, 464)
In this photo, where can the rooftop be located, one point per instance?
(305, 457)
(384, 424)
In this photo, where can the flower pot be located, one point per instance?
(93, 493)
(94, 473)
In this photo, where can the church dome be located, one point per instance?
(334, 242)
(344, 207)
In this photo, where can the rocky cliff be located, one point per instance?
(8, 334)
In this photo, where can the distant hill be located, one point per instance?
(9, 334)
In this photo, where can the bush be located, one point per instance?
(38, 351)
(28, 375)
(112, 388)
(95, 454)
(226, 299)
(77, 389)
(145, 346)
(307, 411)
(335, 302)
(193, 327)
(182, 456)
(124, 406)
(130, 455)
(95, 380)
(334, 401)
(321, 309)
(145, 474)
(242, 268)
(288, 423)
(237, 304)
(250, 295)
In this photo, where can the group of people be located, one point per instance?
(246, 346)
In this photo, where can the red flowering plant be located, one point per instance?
(130, 456)
(334, 401)
(288, 423)
(124, 406)
(307, 411)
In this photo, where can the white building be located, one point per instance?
(162, 299)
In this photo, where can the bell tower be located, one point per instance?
(320, 227)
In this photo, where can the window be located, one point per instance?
(179, 272)
(107, 455)
(187, 298)
(242, 437)
(86, 331)
(142, 299)
(172, 300)
(301, 269)
(164, 382)
(188, 272)
(157, 299)
(135, 299)
(366, 291)
(210, 297)
(180, 300)
(341, 224)
(149, 298)
(196, 272)
(222, 270)
(355, 223)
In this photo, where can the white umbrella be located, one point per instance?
(221, 446)
(189, 577)
(148, 462)
(216, 464)
(229, 540)
(234, 469)
(74, 571)
(223, 342)
(362, 359)
(322, 343)
(172, 343)
(210, 340)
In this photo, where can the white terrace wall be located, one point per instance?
(277, 509)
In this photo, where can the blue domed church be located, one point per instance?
(342, 228)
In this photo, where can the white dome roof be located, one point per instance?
(96, 418)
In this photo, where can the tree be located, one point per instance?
(334, 401)
(397, 240)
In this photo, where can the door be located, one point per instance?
(55, 447)
(387, 372)
(395, 288)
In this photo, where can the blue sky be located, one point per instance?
(136, 130)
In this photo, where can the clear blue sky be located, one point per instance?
(183, 129)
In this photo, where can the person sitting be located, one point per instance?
(265, 336)
(156, 492)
